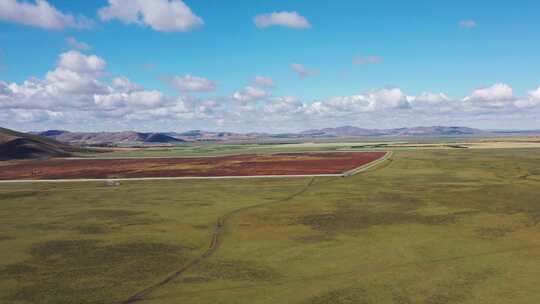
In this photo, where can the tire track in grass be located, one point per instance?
(216, 241)
(217, 236)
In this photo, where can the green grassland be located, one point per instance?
(233, 149)
(216, 150)
(225, 148)
(428, 226)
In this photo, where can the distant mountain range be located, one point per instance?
(348, 131)
(59, 143)
(170, 138)
(104, 138)
(138, 138)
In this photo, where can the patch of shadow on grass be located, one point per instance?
(350, 295)
(92, 253)
(346, 219)
(109, 219)
(238, 270)
(460, 289)
(17, 194)
(493, 232)
(507, 199)
(89, 271)
(6, 238)
(47, 226)
(16, 270)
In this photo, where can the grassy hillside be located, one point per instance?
(18, 145)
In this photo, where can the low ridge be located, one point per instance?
(18, 145)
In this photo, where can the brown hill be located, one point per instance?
(18, 145)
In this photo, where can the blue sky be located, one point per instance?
(479, 57)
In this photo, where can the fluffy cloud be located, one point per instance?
(80, 63)
(302, 71)
(374, 100)
(160, 15)
(123, 84)
(77, 45)
(387, 98)
(144, 99)
(535, 94)
(76, 84)
(77, 94)
(39, 14)
(467, 24)
(250, 93)
(429, 98)
(190, 83)
(34, 116)
(286, 19)
(498, 95)
(288, 105)
(532, 100)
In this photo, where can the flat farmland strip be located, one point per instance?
(237, 165)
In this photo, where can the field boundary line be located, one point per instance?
(369, 165)
(164, 178)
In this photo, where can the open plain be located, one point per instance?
(426, 226)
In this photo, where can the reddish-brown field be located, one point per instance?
(238, 165)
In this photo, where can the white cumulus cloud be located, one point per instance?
(250, 93)
(284, 105)
(77, 94)
(532, 100)
(40, 14)
(160, 15)
(498, 95)
(429, 98)
(286, 19)
(80, 63)
(123, 84)
(190, 83)
(145, 99)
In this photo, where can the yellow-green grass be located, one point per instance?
(213, 150)
(429, 226)
(216, 149)
(92, 243)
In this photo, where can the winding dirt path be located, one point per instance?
(220, 227)
(217, 239)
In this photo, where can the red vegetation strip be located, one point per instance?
(238, 165)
